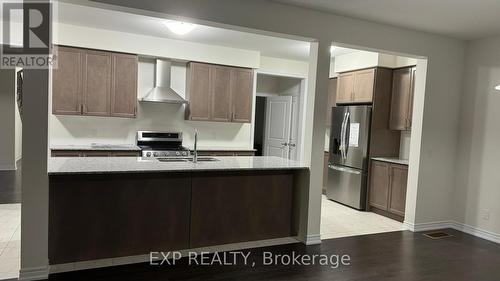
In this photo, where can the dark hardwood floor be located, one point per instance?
(395, 256)
(10, 186)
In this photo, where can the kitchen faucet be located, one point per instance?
(195, 156)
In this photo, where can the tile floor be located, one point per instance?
(10, 240)
(340, 221)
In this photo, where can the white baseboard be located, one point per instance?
(34, 273)
(313, 239)
(475, 231)
(478, 232)
(427, 226)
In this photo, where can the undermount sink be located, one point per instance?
(173, 159)
(205, 159)
(190, 159)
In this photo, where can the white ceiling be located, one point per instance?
(125, 22)
(464, 19)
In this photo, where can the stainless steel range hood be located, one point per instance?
(162, 92)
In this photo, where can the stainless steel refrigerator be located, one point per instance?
(348, 160)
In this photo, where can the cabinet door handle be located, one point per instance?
(81, 109)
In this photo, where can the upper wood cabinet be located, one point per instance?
(356, 86)
(219, 93)
(388, 184)
(124, 85)
(94, 83)
(198, 92)
(345, 87)
(67, 82)
(97, 83)
(403, 86)
(364, 84)
(241, 95)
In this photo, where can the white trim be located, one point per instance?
(475, 231)
(478, 232)
(313, 239)
(34, 273)
(302, 107)
(427, 226)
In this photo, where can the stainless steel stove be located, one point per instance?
(161, 145)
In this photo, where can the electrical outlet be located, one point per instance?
(485, 214)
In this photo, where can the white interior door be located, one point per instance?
(278, 121)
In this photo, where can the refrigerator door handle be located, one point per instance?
(347, 133)
(342, 137)
(344, 169)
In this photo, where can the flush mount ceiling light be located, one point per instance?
(180, 27)
(497, 88)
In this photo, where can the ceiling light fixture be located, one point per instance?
(497, 88)
(180, 27)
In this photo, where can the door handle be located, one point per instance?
(284, 144)
(347, 128)
(292, 144)
(344, 169)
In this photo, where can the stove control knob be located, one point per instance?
(167, 153)
(177, 153)
(184, 153)
(148, 154)
(155, 154)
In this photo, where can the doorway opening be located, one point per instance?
(10, 172)
(367, 141)
(277, 115)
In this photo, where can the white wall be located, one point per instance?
(365, 59)
(283, 66)
(478, 177)
(85, 37)
(7, 120)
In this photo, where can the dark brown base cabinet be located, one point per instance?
(388, 183)
(240, 207)
(116, 215)
(104, 216)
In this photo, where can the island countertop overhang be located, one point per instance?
(112, 165)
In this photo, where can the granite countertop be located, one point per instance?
(97, 147)
(392, 160)
(104, 165)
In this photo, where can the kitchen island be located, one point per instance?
(101, 208)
